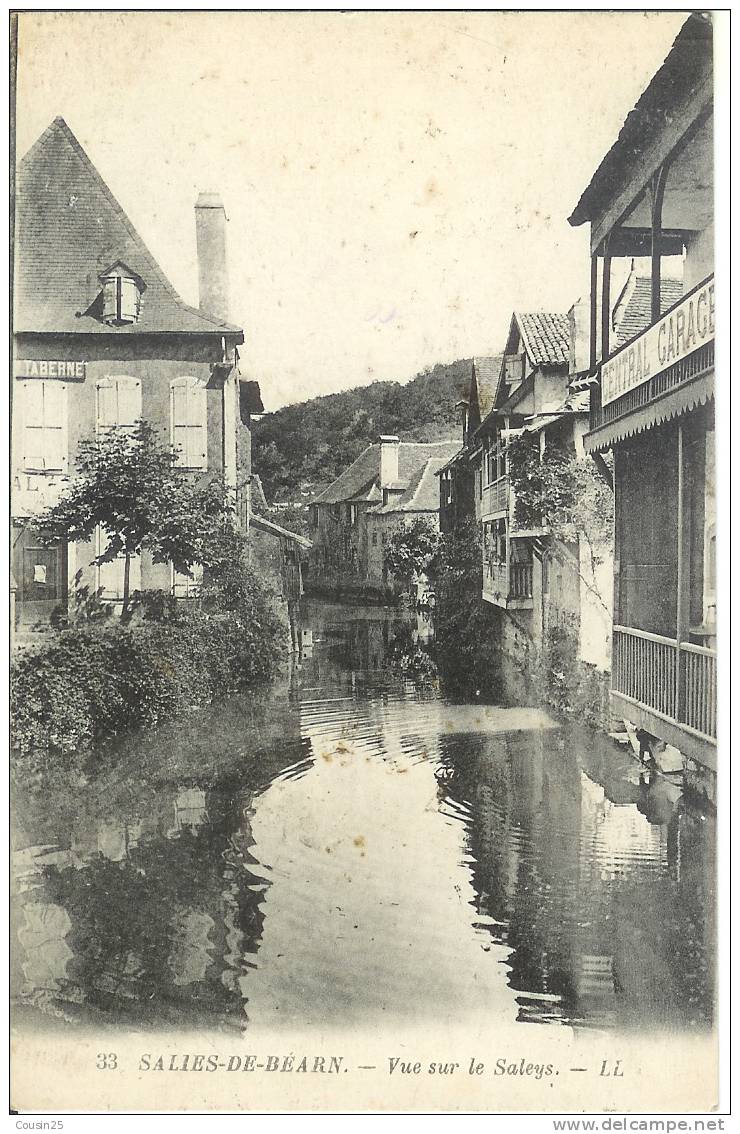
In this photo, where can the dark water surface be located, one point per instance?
(348, 847)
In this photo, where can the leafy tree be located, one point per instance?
(411, 548)
(128, 486)
(466, 628)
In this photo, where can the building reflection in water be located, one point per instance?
(606, 925)
(142, 896)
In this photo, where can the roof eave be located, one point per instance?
(590, 202)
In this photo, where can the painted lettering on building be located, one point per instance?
(689, 325)
(48, 368)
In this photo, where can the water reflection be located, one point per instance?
(352, 847)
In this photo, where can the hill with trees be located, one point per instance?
(301, 448)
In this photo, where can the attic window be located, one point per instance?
(121, 297)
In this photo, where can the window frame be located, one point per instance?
(192, 584)
(120, 381)
(189, 383)
(33, 469)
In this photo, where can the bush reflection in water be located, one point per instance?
(202, 876)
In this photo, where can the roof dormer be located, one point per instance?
(122, 291)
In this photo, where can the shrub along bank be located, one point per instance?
(466, 629)
(93, 680)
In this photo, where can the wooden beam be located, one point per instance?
(604, 470)
(606, 313)
(594, 311)
(657, 192)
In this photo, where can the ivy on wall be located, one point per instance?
(558, 491)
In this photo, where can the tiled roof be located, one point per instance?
(546, 337)
(70, 229)
(487, 371)
(636, 315)
(422, 494)
(363, 473)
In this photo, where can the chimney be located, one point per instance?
(210, 236)
(388, 460)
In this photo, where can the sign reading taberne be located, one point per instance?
(680, 331)
(48, 368)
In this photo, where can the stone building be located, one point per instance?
(390, 483)
(101, 339)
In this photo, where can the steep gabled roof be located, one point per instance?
(546, 337)
(362, 474)
(487, 372)
(636, 314)
(69, 230)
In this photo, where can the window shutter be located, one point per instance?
(110, 299)
(119, 402)
(129, 402)
(55, 432)
(33, 430)
(129, 312)
(189, 422)
(106, 412)
(179, 418)
(44, 409)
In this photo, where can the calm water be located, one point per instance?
(350, 847)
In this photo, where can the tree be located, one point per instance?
(129, 487)
(466, 629)
(411, 548)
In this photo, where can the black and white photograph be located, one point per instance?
(364, 512)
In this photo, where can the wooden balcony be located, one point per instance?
(495, 499)
(508, 587)
(669, 688)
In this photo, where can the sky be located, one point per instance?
(396, 183)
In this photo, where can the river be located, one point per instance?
(350, 847)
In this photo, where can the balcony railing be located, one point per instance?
(644, 668)
(676, 680)
(699, 689)
(520, 580)
(504, 584)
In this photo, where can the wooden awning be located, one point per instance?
(688, 396)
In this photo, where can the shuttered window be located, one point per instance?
(185, 586)
(119, 403)
(44, 416)
(189, 422)
(110, 575)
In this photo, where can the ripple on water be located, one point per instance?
(323, 859)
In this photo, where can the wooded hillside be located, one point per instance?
(299, 449)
